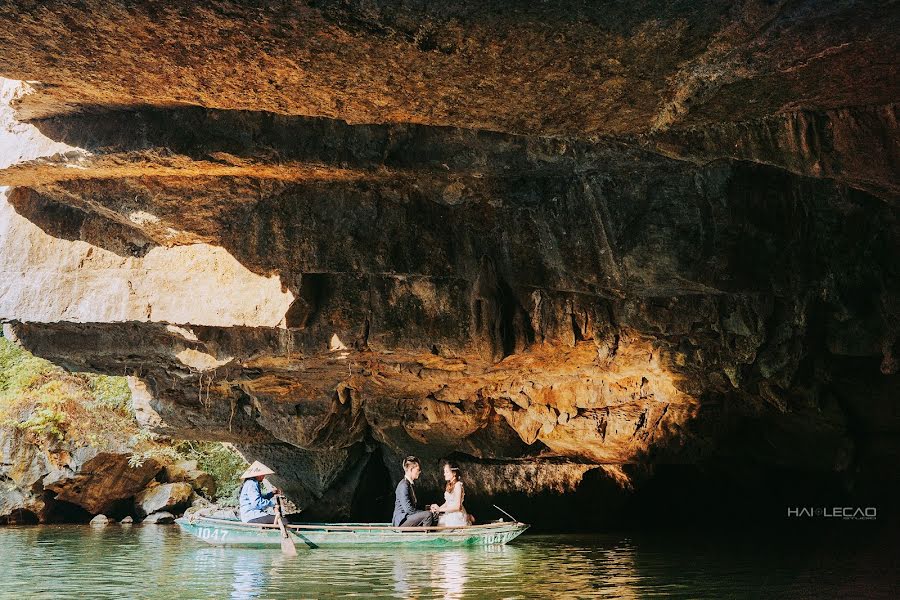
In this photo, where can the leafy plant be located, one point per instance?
(160, 453)
(221, 461)
(19, 371)
(44, 422)
(109, 392)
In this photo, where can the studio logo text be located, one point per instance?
(858, 513)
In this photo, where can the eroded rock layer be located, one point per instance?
(564, 246)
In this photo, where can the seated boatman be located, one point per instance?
(405, 512)
(253, 502)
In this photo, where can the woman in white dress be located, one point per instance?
(452, 513)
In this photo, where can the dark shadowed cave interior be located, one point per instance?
(630, 264)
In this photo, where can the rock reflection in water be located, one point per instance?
(158, 562)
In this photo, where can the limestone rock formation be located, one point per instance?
(64, 483)
(70, 447)
(169, 497)
(569, 244)
(101, 520)
(159, 518)
(187, 471)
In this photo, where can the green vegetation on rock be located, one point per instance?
(109, 392)
(221, 461)
(52, 406)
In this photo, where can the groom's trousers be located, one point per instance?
(422, 518)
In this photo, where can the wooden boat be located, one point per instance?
(232, 532)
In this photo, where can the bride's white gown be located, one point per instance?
(454, 498)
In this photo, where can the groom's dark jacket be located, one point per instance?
(405, 503)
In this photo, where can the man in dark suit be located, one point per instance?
(405, 512)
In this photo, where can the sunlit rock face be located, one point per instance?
(566, 247)
(65, 482)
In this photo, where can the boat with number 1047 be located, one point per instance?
(232, 532)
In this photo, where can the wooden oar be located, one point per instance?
(515, 520)
(287, 544)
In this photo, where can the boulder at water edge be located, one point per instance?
(168, 496)
(101, 520)
(187, 471)
(160, 518)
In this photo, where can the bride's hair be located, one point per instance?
(454, 468)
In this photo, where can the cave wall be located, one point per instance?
(569, 248)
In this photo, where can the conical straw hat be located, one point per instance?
(256, 469)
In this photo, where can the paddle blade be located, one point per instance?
(287, 546)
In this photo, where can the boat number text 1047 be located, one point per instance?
(208, 533)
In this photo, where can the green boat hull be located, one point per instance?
(223, 532)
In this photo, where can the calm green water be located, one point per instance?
(159, 562)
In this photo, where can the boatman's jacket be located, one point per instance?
(253, 501)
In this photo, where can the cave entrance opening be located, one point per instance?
(374, 496)
(60, 511)
(19, 517)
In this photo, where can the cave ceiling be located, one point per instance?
(588, 234)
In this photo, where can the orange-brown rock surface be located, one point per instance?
(64, 483)
(567, 244)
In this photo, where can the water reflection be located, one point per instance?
(442, 571)
(449, 573)
(403, 584)
(158, 562)
(249, 576)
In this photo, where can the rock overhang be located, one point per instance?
(690, 193)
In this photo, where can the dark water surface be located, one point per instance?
(71, 561)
